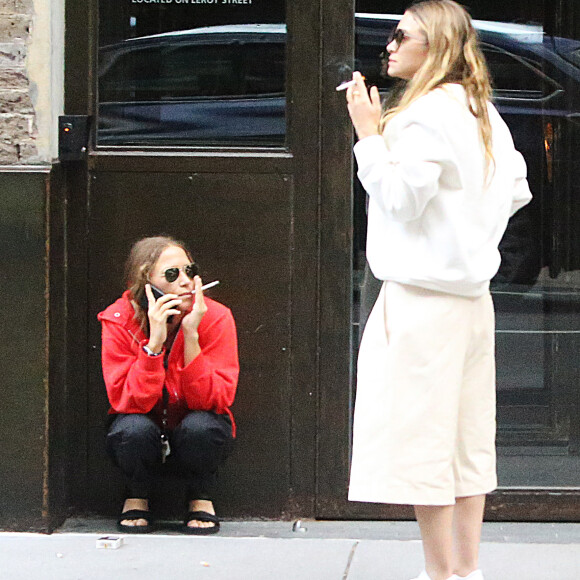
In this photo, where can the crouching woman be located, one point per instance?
(170, 365)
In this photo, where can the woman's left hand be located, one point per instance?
(364, 108)
(191, 321)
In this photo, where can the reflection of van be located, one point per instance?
(226, 84)
(221, 84)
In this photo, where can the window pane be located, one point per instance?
(187, 73)
(517, 78)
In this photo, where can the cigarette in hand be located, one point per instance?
(343, 86)
(209, 285)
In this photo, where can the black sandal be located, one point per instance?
(201, 516)
(135, 515)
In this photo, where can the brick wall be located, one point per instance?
(17, 118)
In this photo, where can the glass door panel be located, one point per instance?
(185, 73)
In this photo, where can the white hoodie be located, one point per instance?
(432, 220)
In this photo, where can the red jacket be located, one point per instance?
(135, 380)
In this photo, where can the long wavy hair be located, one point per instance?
(453, 56)
(141, 261)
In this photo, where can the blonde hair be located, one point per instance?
(142, 259)
(453, 56)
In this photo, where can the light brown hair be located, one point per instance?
(141, 261)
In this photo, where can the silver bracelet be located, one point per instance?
(150, 352)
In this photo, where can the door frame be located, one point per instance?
(299, 161)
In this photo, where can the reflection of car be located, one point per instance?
(175, 86)
(227, 83)
(222, 84)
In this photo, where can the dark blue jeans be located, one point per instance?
(199, 444)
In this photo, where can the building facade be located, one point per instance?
(217, 122)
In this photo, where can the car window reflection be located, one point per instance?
(216, 85)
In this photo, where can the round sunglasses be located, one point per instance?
(171, 274)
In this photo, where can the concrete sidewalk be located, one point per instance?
(273, 551)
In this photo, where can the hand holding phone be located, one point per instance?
(160, 308)
(144, 303)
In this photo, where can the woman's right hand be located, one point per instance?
(364, 107)
(158, 313)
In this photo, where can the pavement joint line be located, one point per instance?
(350, 558)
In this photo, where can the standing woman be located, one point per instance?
(443, 179)
(171, 370)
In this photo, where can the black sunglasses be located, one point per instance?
(398, 36)
(191, 270)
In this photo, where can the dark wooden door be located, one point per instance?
(236, 176)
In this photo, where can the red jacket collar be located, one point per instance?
(121, 311)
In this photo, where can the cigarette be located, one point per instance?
(343, 86)
(209, 285)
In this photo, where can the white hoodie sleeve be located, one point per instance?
(402, 183)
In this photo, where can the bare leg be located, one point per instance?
(467, 520)
(436, 524)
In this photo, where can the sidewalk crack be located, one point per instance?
(350, 557)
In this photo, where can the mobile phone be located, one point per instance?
(156, 294)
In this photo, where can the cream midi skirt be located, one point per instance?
(424, 420)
